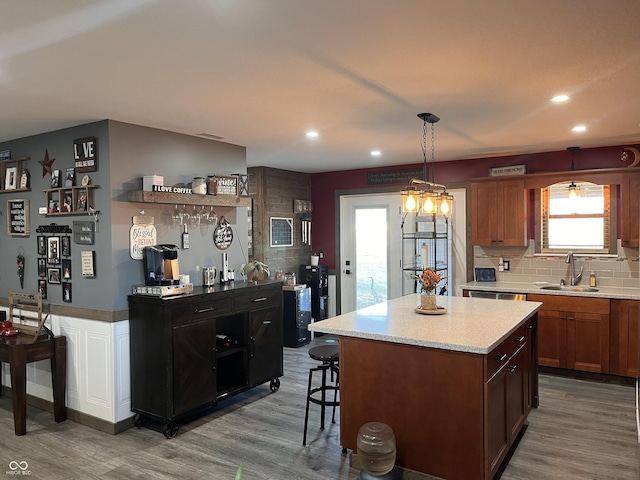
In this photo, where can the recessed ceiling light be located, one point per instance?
(312, 134)
(375, 153)
(579, 128)
(560, 98)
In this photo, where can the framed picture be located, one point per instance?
(82, 201)
(69, 177)
(53, 250)
(88, 257)
(55, 178)
(66, 246)
(42, 288)
(67, 201)
(11, 178)
(42, 267)
(53, 275)
(18, 217)
(66, 269)
(42, 245)
(66, 291)
(281, 232)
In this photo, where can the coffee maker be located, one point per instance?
(161, 265)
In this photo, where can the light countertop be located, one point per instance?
(621, 293)
(472, 325)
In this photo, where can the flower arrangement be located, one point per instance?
(428, 280)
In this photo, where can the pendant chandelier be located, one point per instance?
(424, 196)
(573, 189)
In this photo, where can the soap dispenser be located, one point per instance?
(592, 279)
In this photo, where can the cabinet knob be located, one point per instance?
(512, 368)
(501, 358)
(521, 339)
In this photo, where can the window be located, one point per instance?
(580, 223)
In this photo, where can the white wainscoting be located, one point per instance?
(97, 368)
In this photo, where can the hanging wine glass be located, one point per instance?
(213, 216)
(194, 221)
(184, 215)
(175, 216)
(204, 215)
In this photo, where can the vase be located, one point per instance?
(428, 301)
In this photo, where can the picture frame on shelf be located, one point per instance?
(66, 292)
(53, 275)
(82, 201)
(69, 177)
(55, 178)
(67, 201)
(25, 179)
(11, 178)
(53, 250)
(66, 269)
(42, 288)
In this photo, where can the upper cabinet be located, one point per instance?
(498, 213)
(630, 210)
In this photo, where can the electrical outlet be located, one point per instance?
(506, 264)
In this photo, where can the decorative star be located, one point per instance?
(46, 163)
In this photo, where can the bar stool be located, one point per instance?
(329, 356)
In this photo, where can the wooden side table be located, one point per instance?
(22, 349)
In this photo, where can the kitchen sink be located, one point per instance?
(569, 288)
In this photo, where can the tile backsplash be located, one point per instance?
(526, 267)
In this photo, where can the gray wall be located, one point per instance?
(137, 151)
(125, 154)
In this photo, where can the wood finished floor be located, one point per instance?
(582, 430)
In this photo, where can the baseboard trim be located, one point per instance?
(580, 375)
(78, 417)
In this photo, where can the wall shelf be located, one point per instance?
(144, 196)
(10, 163)
(79, 204)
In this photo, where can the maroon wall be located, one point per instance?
(325, 185)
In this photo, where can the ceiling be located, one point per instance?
(261, 73)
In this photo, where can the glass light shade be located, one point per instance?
(429, 202)
(410, 201)
(445, 206)
(574, 191)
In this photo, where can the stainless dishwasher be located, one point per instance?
(497, 295)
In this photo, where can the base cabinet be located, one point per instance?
(625, 334)
(191, 351)
(573, 332)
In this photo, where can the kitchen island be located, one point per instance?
(456, 388)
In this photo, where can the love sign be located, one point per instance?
(85, 154)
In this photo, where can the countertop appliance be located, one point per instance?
(161, 265)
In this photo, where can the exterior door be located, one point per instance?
(370, 250)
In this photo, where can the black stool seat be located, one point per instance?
(329, 356)
(325, 353)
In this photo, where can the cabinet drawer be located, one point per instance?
(572, 304)
(258, 297)
(500, 355)
(205, 308)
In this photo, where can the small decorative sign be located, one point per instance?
(85, 154)
(223, 234)
(5, 155)
(243, 185)
(169, 189)
(18, 218)
(222, 185)
(142, 234)
(510, 170)
(87, 259)
(84, 232)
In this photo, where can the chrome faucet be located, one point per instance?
(575, 279)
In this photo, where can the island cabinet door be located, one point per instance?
(497, 423)
(194, 360)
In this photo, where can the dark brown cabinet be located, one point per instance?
(498, 213)
(190, 351)
(573, 332)
(630, 210)
(508, 395)
(625, 332)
